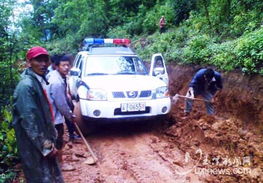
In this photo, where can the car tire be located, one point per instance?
(85, 128)
(168, 119)
(165, 120)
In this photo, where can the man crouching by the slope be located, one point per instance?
(33, 122)
(57, 91)
(206, 83)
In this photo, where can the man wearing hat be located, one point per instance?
(206, 83)
(33, 122)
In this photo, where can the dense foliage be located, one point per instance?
(224, 33)
(227, 34)
(8, 56)
(244, 53)
(8, 149)
(8, 53)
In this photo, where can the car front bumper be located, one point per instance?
(112, 109)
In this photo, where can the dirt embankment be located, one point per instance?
(231, 140)
(242, 95)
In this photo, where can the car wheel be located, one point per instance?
(85, 128)
(168, 119)
(165, 120)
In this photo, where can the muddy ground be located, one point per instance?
(226, 148)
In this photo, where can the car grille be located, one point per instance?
(145, 93)
(132, 94)
(118, 95)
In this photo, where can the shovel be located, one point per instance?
(91, 160)
(177, 96)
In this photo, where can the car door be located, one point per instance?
(158, 68)
(74, 76)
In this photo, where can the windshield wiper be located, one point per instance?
(97, 73)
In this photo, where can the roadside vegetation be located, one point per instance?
(223, 33)
(227, 34)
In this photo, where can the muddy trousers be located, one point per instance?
(209, 106)
(71, 127)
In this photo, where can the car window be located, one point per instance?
(158, 62)
(125, 65)
(77, 60)
(80, 64)
(139, 65)
(99, 65)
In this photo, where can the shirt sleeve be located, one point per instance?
(196, 81)
(58, 94)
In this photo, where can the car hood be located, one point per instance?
(123, 82)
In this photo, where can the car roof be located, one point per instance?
(110, 51)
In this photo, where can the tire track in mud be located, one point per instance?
(139, 158)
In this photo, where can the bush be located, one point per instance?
(196, 50)
(69, 44)
(245, 22)
(244, 53)
(151, 19)
(156, 43)
(118, 32)
(9, 76)
(8, 148)
(223, 56)
(249, 51)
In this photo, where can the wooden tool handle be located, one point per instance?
(86, 143)
(182, 96)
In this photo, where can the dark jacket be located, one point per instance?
(199, 83)
(34, 130)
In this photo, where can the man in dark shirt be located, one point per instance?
(206, 83)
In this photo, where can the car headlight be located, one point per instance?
(96, 94)
(162, 92)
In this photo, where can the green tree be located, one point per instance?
(7, 52)
(8, 151)
(182, 9)
(43, 12)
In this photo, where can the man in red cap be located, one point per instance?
(33, 122)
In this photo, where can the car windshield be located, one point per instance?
(103, 65)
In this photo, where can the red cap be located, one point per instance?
(36, 51)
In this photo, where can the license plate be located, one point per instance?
(131, 107)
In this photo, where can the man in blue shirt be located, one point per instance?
(206, 82)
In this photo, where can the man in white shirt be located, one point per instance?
(58, 95)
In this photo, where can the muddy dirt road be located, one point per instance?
(193, 150)
(226, 148)
(130, 153)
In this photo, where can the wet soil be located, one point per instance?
(232, 140)
(225, 148)
(129, 153)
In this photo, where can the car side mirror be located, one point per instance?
(158, 70)
(75, 72)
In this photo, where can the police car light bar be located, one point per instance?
(92, 41)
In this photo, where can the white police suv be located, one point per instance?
(112, 82)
